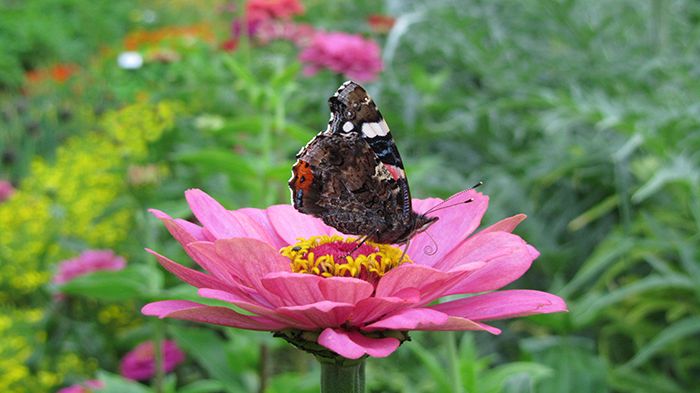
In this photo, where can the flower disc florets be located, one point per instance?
(330, 256)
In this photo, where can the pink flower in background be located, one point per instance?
(353, 305)
(140, 363)
(85, 387)
(261, 10)
(300, 34)
(347, 54)
(6, 190)
(87, 262)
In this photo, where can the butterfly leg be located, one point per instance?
(359, 244)
(403, 254)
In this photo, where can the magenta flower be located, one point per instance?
(300, 34)
(6, 190)
(87, 262)
(348, 54)
(313, 294)
(85, 387)
(140, 363)
(259, 12)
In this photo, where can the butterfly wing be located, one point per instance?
(351, 175)
(354, 112)
(338, 179)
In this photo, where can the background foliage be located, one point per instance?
(581, 114)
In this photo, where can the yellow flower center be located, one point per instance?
(329, 256)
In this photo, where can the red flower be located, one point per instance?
(381, 23)
(347, 54)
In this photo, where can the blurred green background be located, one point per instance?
(583, 114)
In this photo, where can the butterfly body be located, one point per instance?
(351, 174)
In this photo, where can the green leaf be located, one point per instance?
(574, 365)
(514, 377)
(689, 327)
(203, 386)
(117, 384)
(209, 349)
(133, 282)
(586, 310)
(219, 160)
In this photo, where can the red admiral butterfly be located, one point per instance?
(352, 177)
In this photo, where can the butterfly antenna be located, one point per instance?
(442, 205)
(430, 249)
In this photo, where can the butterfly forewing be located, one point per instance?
(351, 175)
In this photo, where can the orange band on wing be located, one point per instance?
(302, 175)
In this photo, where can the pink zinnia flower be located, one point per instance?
(300, 34)
(294, 275)
(261, 10)
(85, 387)
(87, 262)
(347, 54)
(140, 363)
(6, 190)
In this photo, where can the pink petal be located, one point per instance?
(204, 253)
(245, 262)
(260, 217)
(292, 225)
(409, 276)
(319, 315)
(345, 289)
(427, 319)
(191, 311)
(353, 345)
(294, 289)
(374, 308)
(222, 223)
(411, 319)
(507, 257)
(430, 283)
(256, 308)
(505, 225)
(423, 205)
(183, 231)
(190, 276)
(455, 224)
(459, 324)
(503, 304)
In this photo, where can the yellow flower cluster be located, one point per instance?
(74, 198)
(71, 199)
(20, 337)
(305, 258)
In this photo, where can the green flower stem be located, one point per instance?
(455, 375)
(346, 376)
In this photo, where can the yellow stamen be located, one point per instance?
(329, 256)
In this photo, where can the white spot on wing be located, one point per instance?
(348, 126)
(371, 130)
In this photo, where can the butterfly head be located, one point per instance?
(351, 107)
(418, 223)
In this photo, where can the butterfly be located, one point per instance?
(351, 175)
